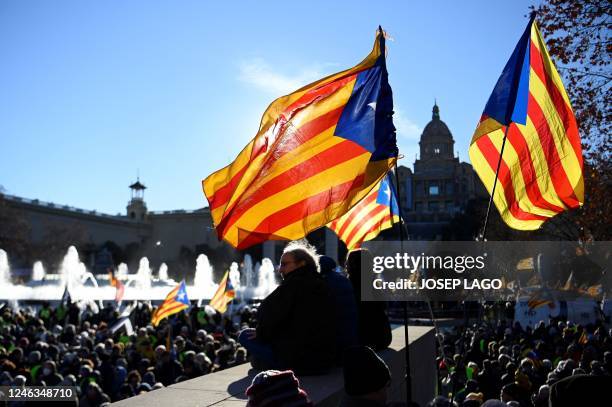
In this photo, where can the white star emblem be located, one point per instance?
(181, 296)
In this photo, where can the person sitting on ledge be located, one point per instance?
(295, 322)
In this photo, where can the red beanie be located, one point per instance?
(273, 388)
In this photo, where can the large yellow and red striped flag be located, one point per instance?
(376, 212)
(318, 151)
(540, 174)
(175, 301)
(224, 294)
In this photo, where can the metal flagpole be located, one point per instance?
(404, 303)
(501, 153)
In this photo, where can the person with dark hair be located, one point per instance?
(295, 322)
(345, 307)
(366, 378)
(580, 390)
(373, 323)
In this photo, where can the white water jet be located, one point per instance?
(143, 275)
(266, 278)
(5, 271)
(122, 270)
(163, 272)
(38, 271)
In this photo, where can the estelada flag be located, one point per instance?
(540, 174)
(376, 212)
(175, 301)
(318, 152)
(225, 294)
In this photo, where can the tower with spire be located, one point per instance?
(136, 207)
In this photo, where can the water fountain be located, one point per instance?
(38, 271)
(122, 270)
(163, 272)
(84, 287)
(266, 279)
(203, 285)
(5, 276)
(143, 275)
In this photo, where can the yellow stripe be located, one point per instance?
(540, 165)
(158, 317)
(304, 151)
(487, 175)
(569, 161)
(548, 64)
(485, 127)
(512, 160)
(296, 230)
(320, 182)
(363, 230)
(362, 211)
(388, 224)
(359, 207)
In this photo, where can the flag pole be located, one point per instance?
(408, 377)
(501, 153)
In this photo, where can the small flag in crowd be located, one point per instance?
(376, 212)
(175, 301)
(119, 286)
(540, 174)
(224, 294)
(318, 152)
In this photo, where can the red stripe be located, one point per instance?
(313, 204)
(223, 194)
(335, 155)
(363, 220)
(517, 140)
(492, 156)
(318, 93)
(295, 139)
(355, 212)
(563, 109)
(165, 310)
(377, 226)
(555, 168)
(306, 132)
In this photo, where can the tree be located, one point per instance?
(577, 34)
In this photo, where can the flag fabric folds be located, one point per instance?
(540, 174)
(318, 151)
(175, 301)
(376, 212)
(224, 294)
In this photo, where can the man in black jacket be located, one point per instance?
(295, 322)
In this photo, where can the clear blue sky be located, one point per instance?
(92, 91)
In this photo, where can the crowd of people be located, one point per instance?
(67, 346)
(505, 364)
(313, 321)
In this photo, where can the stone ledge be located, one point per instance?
(227, 387)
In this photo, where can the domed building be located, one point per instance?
(440, 186)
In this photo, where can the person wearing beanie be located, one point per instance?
(274, 388)
(366, 378)
(345, 316)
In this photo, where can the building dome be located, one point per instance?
(436, 128)
(436, 140)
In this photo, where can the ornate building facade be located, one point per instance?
(440, 186)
